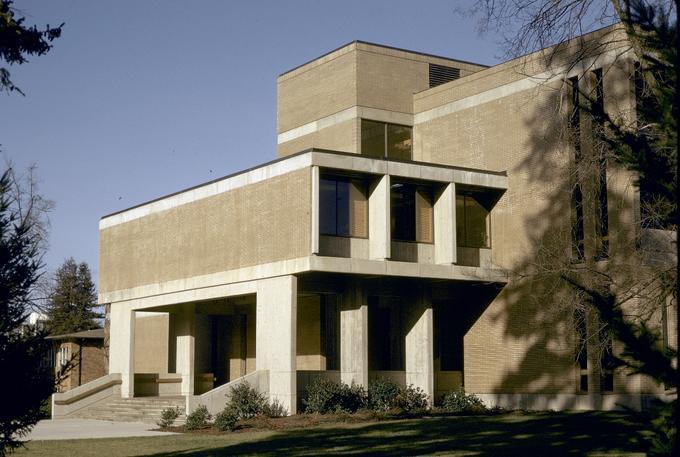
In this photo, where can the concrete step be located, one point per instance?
(140, 409)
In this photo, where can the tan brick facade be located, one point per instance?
(233, 229)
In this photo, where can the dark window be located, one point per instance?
(343, 207)
(373, 139)
(607, 364)
(398, 142)
(330, 331)
(602, 220)
(577, 229)
(382, 140)
(411, 213)
(581, 328)
(385, 336)
(472, 221)
(448, 337)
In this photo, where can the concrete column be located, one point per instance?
(184, 325)
(354, 337)
(419, 347)
(315, 209)
(379, 225)
(445, 226)
(122, 346)
(275, 329)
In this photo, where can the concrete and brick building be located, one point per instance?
(381, 242)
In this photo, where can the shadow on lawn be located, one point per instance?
(511, 434)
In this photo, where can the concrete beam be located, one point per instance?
(379, 219)
(122, 347)
(419, 347)
(276, 333)
(354, 337)
(445, 226)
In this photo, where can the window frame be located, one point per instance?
(384, 155)
(364, 187)
(416, 186)
(465, 243)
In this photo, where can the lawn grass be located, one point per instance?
(536, 434)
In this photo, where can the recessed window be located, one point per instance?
(343, 207)
(382, 140)
(411, 213)
(472, 220)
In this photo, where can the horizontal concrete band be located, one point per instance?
(349, 162)
(243, 281)
(354, 112)
(521, 85)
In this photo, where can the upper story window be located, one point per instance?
(412, 218)
(382, 140)
(343, 207)
(473, 228)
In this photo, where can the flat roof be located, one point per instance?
(288, 157)
(378, 45)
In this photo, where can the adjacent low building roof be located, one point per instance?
(95, 334)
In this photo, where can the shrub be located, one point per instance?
(326, 396)
(199, 418)
(411, 399)
(168, 416)
(274, 409)
(460, 402)
(226, 419)
(382, 394)
(246, 401)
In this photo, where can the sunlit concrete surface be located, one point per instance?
(71, 429)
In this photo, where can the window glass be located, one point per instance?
(476, 216)
(382, 140)
(403, 212)
(327, 207)
(472, 222)
(411, 212)
(398, 142)
(342, 214)
(343, 207)
(372, 138)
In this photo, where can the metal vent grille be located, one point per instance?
(439, 74)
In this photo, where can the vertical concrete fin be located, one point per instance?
(354, 336)
(276, 333)
(379, 219)
(315, 209)
(122, 347)
(445, 226)
(185, 326)
(419, 345)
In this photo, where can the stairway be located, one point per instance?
(138, 409)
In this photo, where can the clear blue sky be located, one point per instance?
(139, 99)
